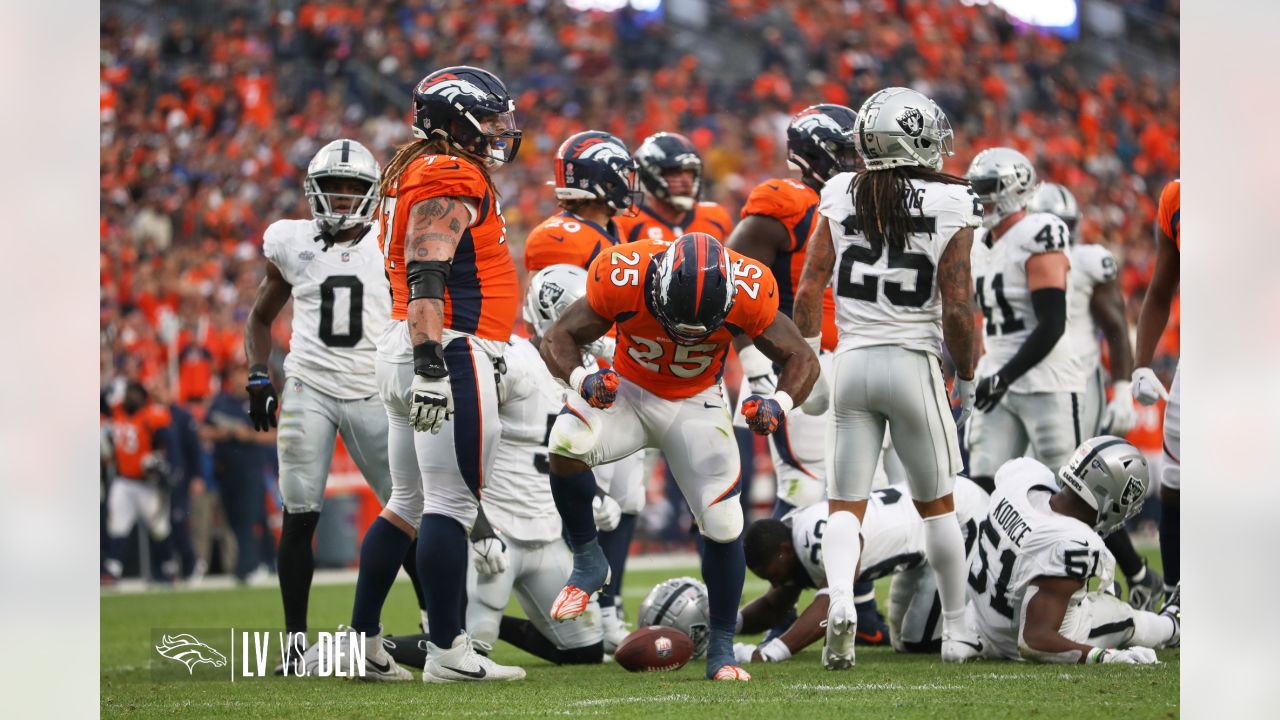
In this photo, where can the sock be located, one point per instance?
(616, 544)
(724, 569)
(410, 565)
(296, 563)
(380, 555)
(116, 549)
(841, 549)
(1170, 544)
(1127, 559)
(1151, 630)
(442, 562)
(524, 635)
(573, 495)
(162, 559)
(864, 591)
(944, 546)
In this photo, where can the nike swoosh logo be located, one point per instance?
(455, 167)
(380, 667)
(877, 636)
(477, 674)
(709, 405)
(774, 187)
(556, 238)
(976, 646)
(771, 292)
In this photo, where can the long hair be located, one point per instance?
(880, 201)
(410, 151)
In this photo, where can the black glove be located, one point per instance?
(262, 399)
(990, 389)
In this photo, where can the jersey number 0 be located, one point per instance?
(355, 323)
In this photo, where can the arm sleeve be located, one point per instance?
(1050, 305)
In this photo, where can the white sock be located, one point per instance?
(944, 546)
(841, 549)
(1151, 630)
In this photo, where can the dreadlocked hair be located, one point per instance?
(410, 151)
(880, 200)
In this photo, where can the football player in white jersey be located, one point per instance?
(1039, 546)
(788, 553)
(1094, 303)
(332, 268)
(518, 504)
(1028, 396)
(901, 232)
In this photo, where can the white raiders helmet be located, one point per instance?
(1004, 179)
(1111, 476)
(1056, 200)
(553, 289)
(342, 159)
(679, 603)
(898, 126)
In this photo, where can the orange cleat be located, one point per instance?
(570, 603)
(731, 672)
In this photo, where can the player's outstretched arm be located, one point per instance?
(769, 609)
(561, 346)
(1040, 637)
(1155, 305)
(759, 237)
(819, 260)
(782, 343)
(273, 293)
(808, 628)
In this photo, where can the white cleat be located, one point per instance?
(960, 647)
(842, 624)
(379, 666)
(615, 631)
(461, 663)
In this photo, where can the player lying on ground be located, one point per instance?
(788, 553)
(677, 308)
(1040, 545)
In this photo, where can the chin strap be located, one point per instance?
(328, 240)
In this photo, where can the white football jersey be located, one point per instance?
(1000, 288)
(341, 301)
(517, 494)
(1091, 265)
(883, 298)
(892, 531)
(1022, 539)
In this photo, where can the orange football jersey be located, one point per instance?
(1170, 208)
(616, 289)
(707, 217)
(795, 205)
(131, 435)
(568, 239)
(482, 295)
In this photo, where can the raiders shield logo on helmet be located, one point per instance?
(911, 121)
(549, 294)
(1134, 489)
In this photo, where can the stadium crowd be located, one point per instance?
(207, 124)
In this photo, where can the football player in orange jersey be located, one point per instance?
(1147, 388)
(677, 308)
(776, 222)
(595, 181)
(138, 492)
(671, 173)
(455, 294)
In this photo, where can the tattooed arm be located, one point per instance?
(819, 260)
(957, 313)
(435, 227)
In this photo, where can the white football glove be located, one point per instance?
(603, 349)
(607, 511)
(430, 403)
(964, 391)
(489, 555)
(820, 396)
(1147, 388)
(742, 652)
(1120, 417)
(1131, 656)
(758, 370)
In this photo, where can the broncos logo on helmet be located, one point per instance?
(457, 103)
(595, 165)
(691, 288)
(669, 151)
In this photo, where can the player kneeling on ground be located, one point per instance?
(1040, 545)
(677, 307)
(788, 553)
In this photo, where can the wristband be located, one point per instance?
(1096, 656)
(428, 360)
(576, 377)
(258, 375)
(815, 344)
(784, 400)
(774, 651)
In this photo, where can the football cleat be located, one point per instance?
(1144, 593)
(842, 626)
(1173, 610)
(615, 631)
(588, 576)
(378, 665)
(958, 648)
(466, 661)
(872, 629)
(731, 672)
(408, 650)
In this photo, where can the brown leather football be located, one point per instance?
(654, 649)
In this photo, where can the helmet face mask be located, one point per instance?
(663, 152)
(596, 166)
(821, 141)
(680, 603)
(901, 127)
(691, 288)
(1004, 181)
(1111, 476)
(342, 159)
(471, 109)
(1057, 200)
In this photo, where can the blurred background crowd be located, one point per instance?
(210, 112)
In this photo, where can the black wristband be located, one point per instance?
(258, 372)
(428, 360)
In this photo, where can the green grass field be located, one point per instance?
(882, 685)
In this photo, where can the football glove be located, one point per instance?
(742, 652)
(430, 403)
(989, 391)
(488, 551)
(1147, 388)
(263, 400)
(599, 388)
(603, 349)
(1119, 417)
(758, 370)
(963, 391)
(1130, 656)
(607, 511)
(765, 414)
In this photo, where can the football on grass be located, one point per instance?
(654, 649)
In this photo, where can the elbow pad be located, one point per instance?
(427, 278)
